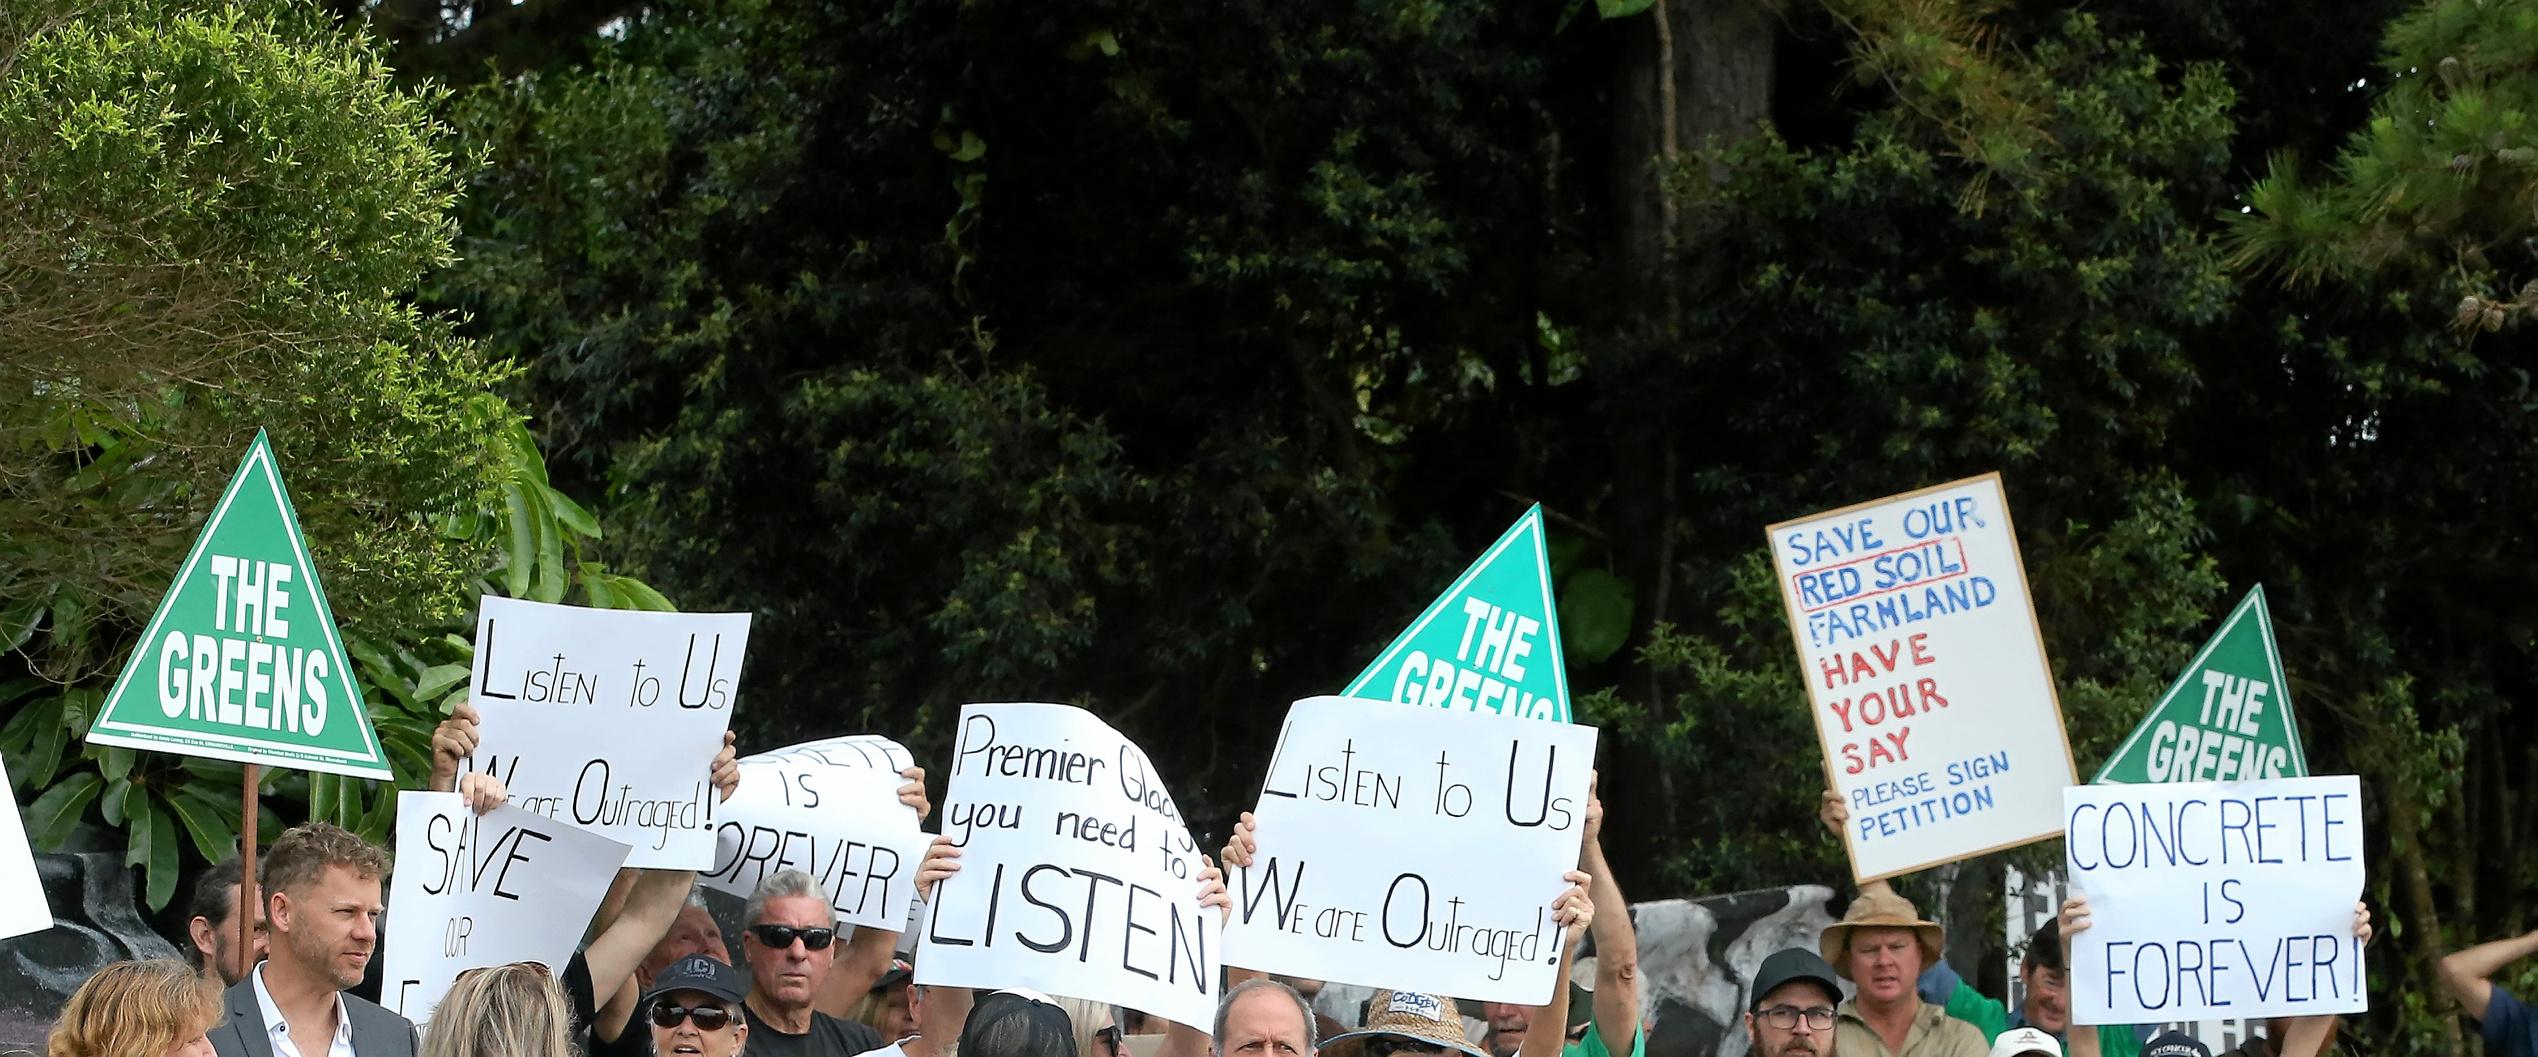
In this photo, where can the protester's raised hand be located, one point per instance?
(1835, 813)
(1574, 908)
(1240, 846)
(913, 793)
(1212, 891)
(2362, 922)
(727, 766)
(2073, 920)
(454, 740)
(942, 859)
(482, 792)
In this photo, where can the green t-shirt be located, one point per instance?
(1992, 1018)
(1593, 1044)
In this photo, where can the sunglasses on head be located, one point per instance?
(707, 1018)
(782, 936)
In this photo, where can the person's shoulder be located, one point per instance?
(380, 1024)
(857, 1036)
(1954, 1036)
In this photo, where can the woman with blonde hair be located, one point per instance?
(155, 1008)
(513, 1010)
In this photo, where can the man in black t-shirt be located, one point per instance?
(790, 943)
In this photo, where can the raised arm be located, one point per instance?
(652, 905)
(1548, 1033)
(2078, 1041)
(2469, 974)
(1616, 941)
(1239, 847)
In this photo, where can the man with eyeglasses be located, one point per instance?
(790, 944)
(693, 1008)
(1790, 1013)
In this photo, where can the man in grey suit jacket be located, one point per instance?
(321, 891)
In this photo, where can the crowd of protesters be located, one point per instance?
(658, 979)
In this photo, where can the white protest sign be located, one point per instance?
(829, 809)
(610, 719)
(1414, 848)
(1927, 675)
(1077, 874)
(2216, 899)
(472, 891)
(22, 907)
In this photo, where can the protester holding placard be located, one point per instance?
(2047, 1003)
(2510, 1029)
(640, 908)
(322, 898)
(2303, 1036)
(212, 928)
(1790, 1011)
(512, 1010)
(155, 1008)
(1612, 1027)
(1882, 944)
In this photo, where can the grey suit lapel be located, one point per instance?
(246, 1017)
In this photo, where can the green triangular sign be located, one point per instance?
(1490, 643)
(242, 661)
(2227, 718)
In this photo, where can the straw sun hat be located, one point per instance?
(1882, 909)
(1426, 1018)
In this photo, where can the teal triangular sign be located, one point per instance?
(1490, 643)
(2227, 718)
(242, 661)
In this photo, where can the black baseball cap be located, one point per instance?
(697, 972)
(2175, 1044)
(1791, 965)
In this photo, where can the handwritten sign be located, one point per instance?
(829, 809)
(1077, 877)
(22, 906)
(2216, 899)
(1927, 675)
(1414, 848)
(610, 719)
(470, 891)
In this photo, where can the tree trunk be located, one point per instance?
(1711, 81)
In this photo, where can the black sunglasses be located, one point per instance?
(781, 936)
(707, 1018)
(1110, 1037)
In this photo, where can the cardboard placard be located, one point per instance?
(1927, 675)
(473, 891)
(1077, 877)
(610, 719)
(830, 809)
(1415, 849)
(2216, 899)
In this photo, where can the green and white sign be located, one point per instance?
(242, 661)
(1490, 643)
(2228, 718)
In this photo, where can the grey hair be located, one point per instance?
(1312, 1037)
(779, 885)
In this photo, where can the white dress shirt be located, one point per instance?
(280, 1032)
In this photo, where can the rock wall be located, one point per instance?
(96, 919)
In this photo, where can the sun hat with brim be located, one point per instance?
(1876, 910)
(1431, 1019)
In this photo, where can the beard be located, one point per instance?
(1793, 1046)
(321, 958)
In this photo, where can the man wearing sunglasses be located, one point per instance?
(790, 943)
(1791, 1013)
(694, 1008)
